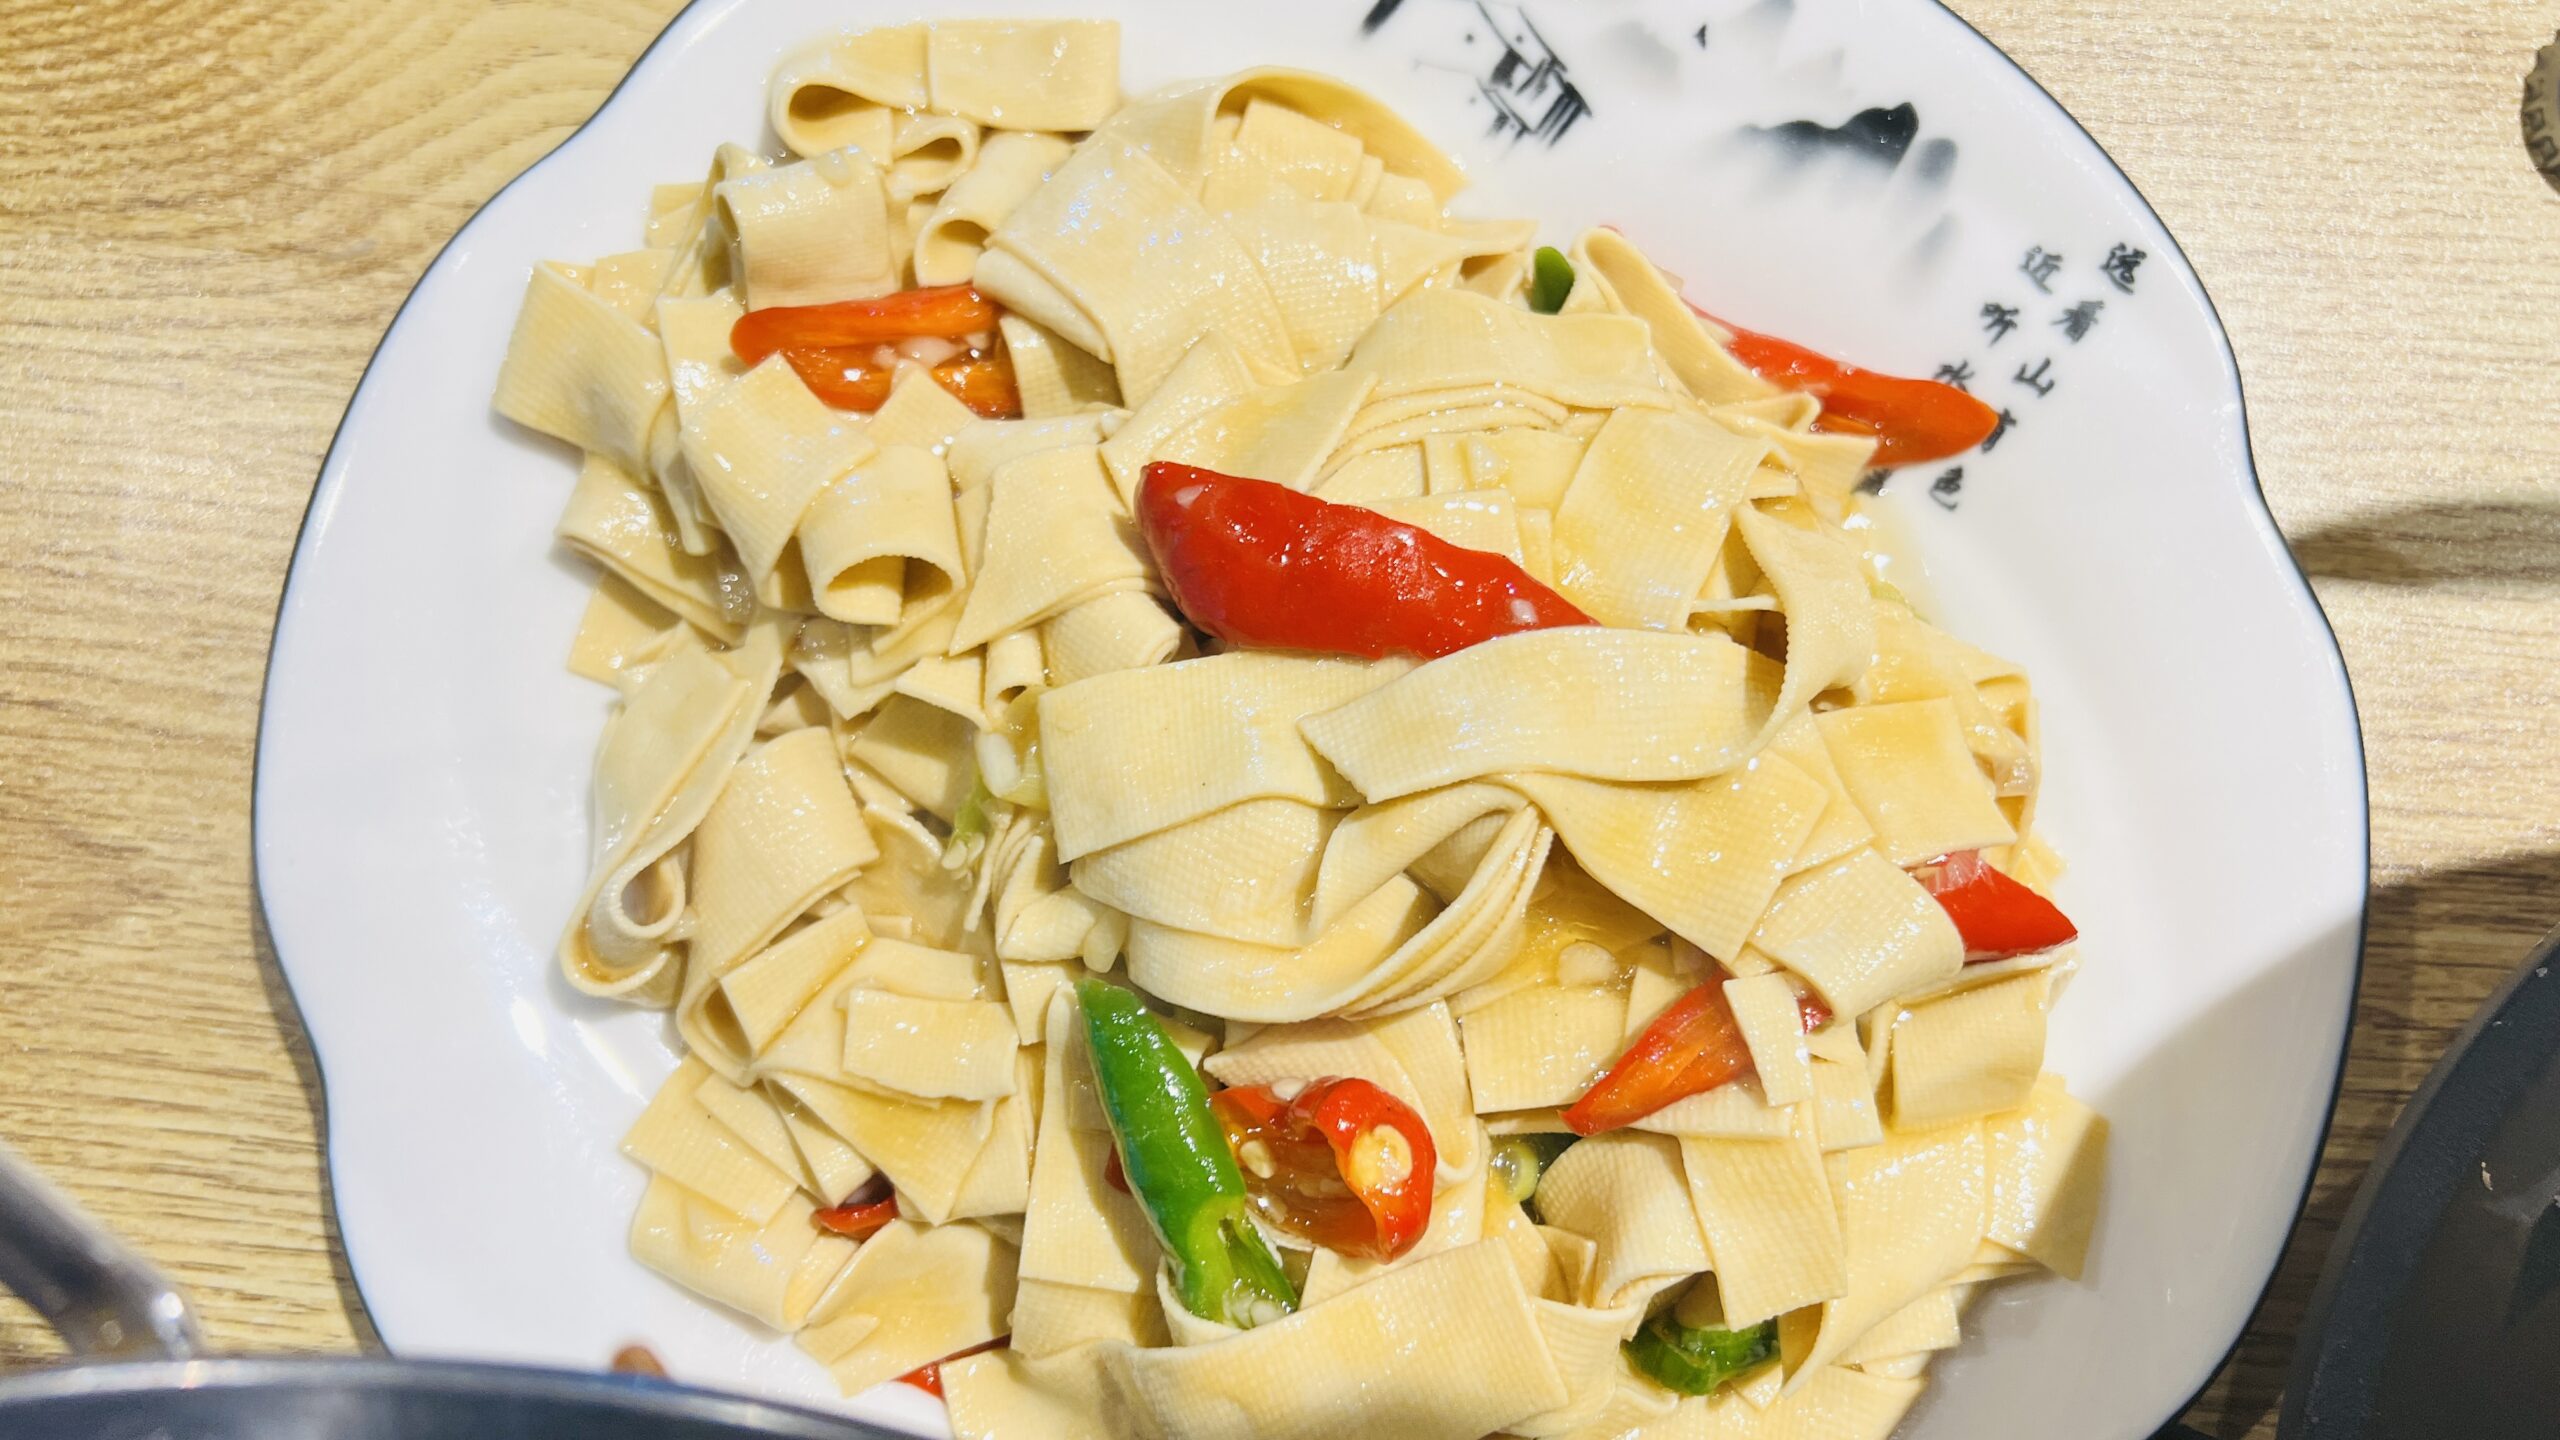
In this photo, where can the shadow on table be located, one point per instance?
(2453, 545)
(306, 1068)
(2436, 944)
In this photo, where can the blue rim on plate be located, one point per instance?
(2261, 514)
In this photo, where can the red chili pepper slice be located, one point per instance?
(928, 1378)
(984, 383)
(844, 379)
(1812, 1011)
(1912, 420)
(1697, 1045)
(1255, 563)
(1343, 1163)
(1998, 917)
(1689, 1049)
(857, 1221)
(949, 311)
(848, 380)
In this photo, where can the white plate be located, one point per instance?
(423, 763)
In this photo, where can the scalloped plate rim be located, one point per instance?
(332, 476)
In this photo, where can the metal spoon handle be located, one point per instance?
(100, 1296)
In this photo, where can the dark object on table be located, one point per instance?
(2438, 1313)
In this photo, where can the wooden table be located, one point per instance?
(209, 211)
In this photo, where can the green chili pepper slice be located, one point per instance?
(1695, 1360)
(971, 825)
(1550, 280)
(1178, 1165)
(1522, 1160)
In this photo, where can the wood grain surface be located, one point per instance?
(209, 211)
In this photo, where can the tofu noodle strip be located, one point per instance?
(914, 730)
